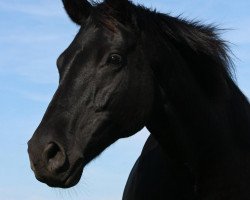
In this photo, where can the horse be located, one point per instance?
(131, 67)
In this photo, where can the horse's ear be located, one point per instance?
(78, 10)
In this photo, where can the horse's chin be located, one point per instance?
(74, 176)
(66, 179)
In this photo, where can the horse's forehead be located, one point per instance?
(100, 35)
(90, 34)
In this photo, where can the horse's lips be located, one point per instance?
(74, 177)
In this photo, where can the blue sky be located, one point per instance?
(32, 35)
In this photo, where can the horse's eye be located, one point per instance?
(115, 59)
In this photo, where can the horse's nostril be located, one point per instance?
(52, 150)
(54, 157)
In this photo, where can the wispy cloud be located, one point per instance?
(28, 38)
(45, 8)
(39, 73)
(35, 71)
(42, 97)
(38, 97)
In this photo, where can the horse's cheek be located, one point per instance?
(139, 102)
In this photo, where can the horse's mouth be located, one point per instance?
(70, 179)
(74, 175)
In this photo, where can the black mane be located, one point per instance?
(202, 50)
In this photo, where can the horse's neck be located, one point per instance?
(210, 137)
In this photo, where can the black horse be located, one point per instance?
(130, 67)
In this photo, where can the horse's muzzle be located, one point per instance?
(51, 165)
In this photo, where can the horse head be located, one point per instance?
(105, 93)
